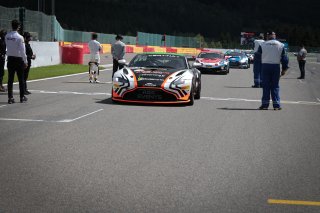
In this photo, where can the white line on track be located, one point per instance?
(71, 120)
(28, 120)
(203, 98)
(106, 65)
(57, 77)
(1, 106)
(60, 121)
(250, 100)
(66, 92)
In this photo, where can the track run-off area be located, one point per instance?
(71, 149)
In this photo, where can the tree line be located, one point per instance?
(219, 22)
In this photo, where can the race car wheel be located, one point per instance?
(248, 65)
(191, 98)
(198, 93)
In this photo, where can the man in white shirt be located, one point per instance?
(17, 60)
(95, 48)
(257, 64)
(301, 57)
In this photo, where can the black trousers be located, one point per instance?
(2, 61)
(26, 75)
(116, 66)
(15, 64)
(302, 64)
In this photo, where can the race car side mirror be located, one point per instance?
(195, 65)
(123, 62)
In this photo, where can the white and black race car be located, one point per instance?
(157, 78)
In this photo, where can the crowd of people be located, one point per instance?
(269, 55)
(19, 55)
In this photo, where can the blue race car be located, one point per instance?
(237, 59)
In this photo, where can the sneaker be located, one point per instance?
(277, 108)
(2, 89)
(96, 81)
(27, 92)
(11, 101)
(90, 81)
(263, 108)
(23, 99)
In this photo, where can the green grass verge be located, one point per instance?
(51, 71)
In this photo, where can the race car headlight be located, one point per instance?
(243, 60)
(179, 82)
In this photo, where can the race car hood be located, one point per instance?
(147, 77)
(209, 60)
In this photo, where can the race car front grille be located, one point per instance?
(204, 70)
(149, 95)
(234, 63)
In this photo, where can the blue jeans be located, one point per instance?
(271, 77)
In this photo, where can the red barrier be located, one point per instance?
(171, 50)
(129, 49)
(72, 55)
(148, 49)
(85, 46)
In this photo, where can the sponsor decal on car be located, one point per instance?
(150, 85)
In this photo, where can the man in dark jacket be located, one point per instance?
(30, 55)
(3, 50)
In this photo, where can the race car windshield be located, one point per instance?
(234, 54)
(159, 61)
(210, 55)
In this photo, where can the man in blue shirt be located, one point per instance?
(272, 54)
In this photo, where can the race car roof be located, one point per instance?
(160, 53)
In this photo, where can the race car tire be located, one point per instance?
(191, 98)
(198, 93)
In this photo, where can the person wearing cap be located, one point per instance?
(301, 57)
(118, 50)
(17, 60)
(30, 56)
(272, 54)
(257, 64)
(95, 48)
(3, 50)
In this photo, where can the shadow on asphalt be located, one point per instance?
(213, 73)
(227, 108)
(236, 87)
(110, 102)
(83, 82)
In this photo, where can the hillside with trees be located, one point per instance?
(219, 21)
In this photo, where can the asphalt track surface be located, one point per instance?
(70, 149)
